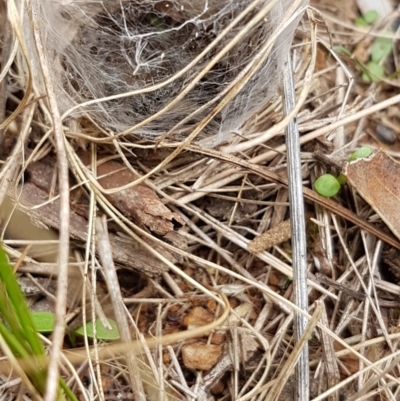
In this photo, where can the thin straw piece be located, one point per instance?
(298, 231)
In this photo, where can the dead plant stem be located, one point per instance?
(298, 228)
(63, 253)
(308, 193)
(104, 249)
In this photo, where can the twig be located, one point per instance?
(308, 193)
(63, 255)
(298, 226)
(10, 167)
(5, 53)
(104, 249)
(295, 355)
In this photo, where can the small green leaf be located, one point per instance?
(360, 153)
(373, 72)
(370, 17)
(394, 75)
(381, 49)
(342, 179)
(360, 21)
(43, 321)
(102, 332)
(342, 50)
(327, 185)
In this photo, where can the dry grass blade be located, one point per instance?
(15, 21)
(308, 194)
(105, 253)
(295, 355)
(9, 171)
(330, 362)
(172, 127)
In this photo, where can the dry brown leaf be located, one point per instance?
(200, 356)
(376, 179)
(350, 361)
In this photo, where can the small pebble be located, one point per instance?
(386, 134)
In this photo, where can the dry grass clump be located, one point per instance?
(200, 312)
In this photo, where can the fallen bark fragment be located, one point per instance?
(139, 203)
(125, 252)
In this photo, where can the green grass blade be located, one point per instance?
(35, 373)
(20, 307)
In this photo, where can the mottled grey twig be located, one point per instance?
(298, 231)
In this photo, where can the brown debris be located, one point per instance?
(140, 202)
(200, 356)
(198, 316)
(130, 254)
(275, 236)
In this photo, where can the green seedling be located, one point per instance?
(372, 72)
(367, 19)
(102, 333)
(360, 22)
(43, 321)
(327, 185)
(381, 49)
(19, 333)
(371, 16)
(342, 179)
(360, 153)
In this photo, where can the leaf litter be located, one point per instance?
(186, 231)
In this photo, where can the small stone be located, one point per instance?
(386, 134)
(198, 317)
(200, 356)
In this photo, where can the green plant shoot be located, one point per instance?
(327, 185)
